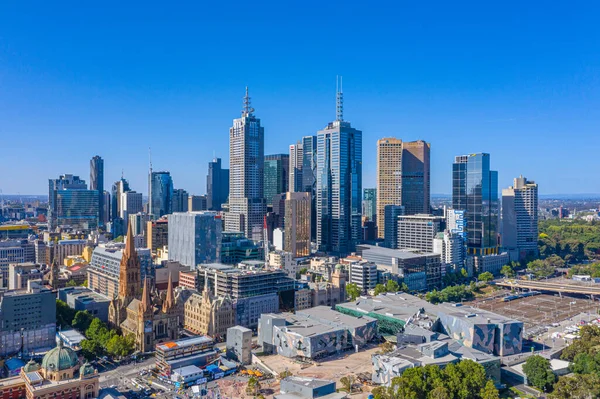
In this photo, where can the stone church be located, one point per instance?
(141, 311)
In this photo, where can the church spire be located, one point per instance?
(129, 270)
(146, 301)
(54, 270)
(169, 300)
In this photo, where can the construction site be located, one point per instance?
(539, 310)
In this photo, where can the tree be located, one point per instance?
(71, 283)
(507, 271)
(489, 391)
(284, 374)
(486, 277)
(464, 274)
(404, 287)
(253, 387)
(380, 289)
(540, 269)
(64, 314)
(91, 349)
(577, 386)
(392, 286)
(347, 383)
(538, 372)
(439, 392)
(82, 320)
(120, 346)
(303, 270)
(352, 291)
(555, 261)
(119, 239)
(387, 347)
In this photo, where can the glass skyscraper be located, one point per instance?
(276, 175)
(70, 203)
(160, 194)
(97, 183)
(309, 178)
(194, 238)
(247, 205)
(370, 204)
(119, 187)
(339, 185)
(217, 185)
(475, 191)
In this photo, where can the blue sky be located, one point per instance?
(520, 81)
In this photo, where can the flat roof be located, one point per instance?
(72, 335)
(326, 313)
(187, 370)
(183, 343)
(395, 253)
(308, 381)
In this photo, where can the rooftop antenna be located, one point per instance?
(122, 174)
(339, 99)
(247, 110)
(150, 158)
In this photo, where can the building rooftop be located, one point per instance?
(473, 315)
(395, 253)
(324, 313)
(186, 371)
(182, 343)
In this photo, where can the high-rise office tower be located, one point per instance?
(416, 177)
(107, 206)
(520, 219)
(160, 193)
(217, 185)
(197, 203)
(119, 187)
(70, 203)
(475, 190)
(296, 164)
(370, 204)
(339, 184)
(97, 183)
(418, 231)
(390, 234)
(402, 177)
(276, 175)
(247, 206)
(194, 237)
(131, 203)
(179, 202)
(297, 224)
(309, 178)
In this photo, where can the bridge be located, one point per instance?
(561, 288)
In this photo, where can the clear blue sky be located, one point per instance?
(520, 80)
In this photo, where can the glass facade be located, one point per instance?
(339, 187)
(161, 194)
(276, 176)
(370, 204)
(217, 185)
(309, 178)
(77, 208)
(97, 183)
(194, 238)
(475, 191)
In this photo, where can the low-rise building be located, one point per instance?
(206, 315)
(196, 351)
(20, 273)
(84, 299)
(188, 279)
(294, 387)
(314, 333)
(239, 344)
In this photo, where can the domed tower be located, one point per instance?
(31, 366)
(60, 363)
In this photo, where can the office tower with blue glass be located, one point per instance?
(370, 204)
(217, 185)
(70, 203)
(276, 176)
(475, 191)
(247, 205)
(391, 213)
(179, 202)
(309, 178)
(339, 185)
(160, 193)
(97, 183)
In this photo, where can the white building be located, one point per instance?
(451, 248)
(278, 239)
(418, 231)
(364, 275)
(285, 261)
(520, 219)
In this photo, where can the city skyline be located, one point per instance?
(444, 75)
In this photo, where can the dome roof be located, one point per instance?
(31, 366)
(60, 358)
(87, 369)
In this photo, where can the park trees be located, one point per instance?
(352, 291)
(538, 372)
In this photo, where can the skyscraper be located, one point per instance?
(119, 187)
(403, 177)
(217, 185)
(276, 175)
(97, 183)
(70, 203)
(131, 203)
(475, 191)
(520, 219)
(390, 234)
(297, 224)
(247, 206)
(179, 202)
(296, 164)
(370, 204)
(194, 237)
(339, 184)
(309, 178)
(160, 193)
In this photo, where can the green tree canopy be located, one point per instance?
(82, 320)
(352, 291)
(507, 271)
(538, 372)
(64, 314)
(380, 289)
(392, 286)
(540, 269)
(486, 277)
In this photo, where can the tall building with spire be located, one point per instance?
(339, 184)
(146, 314)
(247, 206)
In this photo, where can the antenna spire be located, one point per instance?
(247, 110)
(150, 158)
(339, 99)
